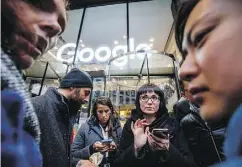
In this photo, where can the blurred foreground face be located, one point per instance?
(30, 28)
(213, 61)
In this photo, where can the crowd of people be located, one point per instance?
(204, 131)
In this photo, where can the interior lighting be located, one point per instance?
(151, 39)
(116, 42)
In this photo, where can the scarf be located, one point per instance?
(12, 79)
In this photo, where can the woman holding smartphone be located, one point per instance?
(101, 133)
(150, 137)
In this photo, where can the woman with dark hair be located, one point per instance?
(103, 124)
(140, 146)
(209, 36)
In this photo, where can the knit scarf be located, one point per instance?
(11, 79)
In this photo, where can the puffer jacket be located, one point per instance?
(87, 135)
(204, 140)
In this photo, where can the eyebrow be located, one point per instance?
(188, 37)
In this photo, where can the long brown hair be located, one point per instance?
(113, 123)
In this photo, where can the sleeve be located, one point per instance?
(126, 148)
(179, 152)
(78, 148)
(18, 148)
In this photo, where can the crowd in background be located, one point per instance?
(205, 128)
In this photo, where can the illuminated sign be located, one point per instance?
(101, 54)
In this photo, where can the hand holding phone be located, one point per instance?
(106, 141)
(159, 139)
(100, 147)
(161, 133)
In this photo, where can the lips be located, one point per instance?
(149, 108)
(198, 94)
(34, 49)
(42, 44)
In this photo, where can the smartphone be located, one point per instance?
(161, 133)
(106, 141)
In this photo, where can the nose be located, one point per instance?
(189, 69)
(51, 26)
(87, 98)
(149, 101)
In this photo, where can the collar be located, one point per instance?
(56, 96)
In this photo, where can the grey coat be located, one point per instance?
(87, 135)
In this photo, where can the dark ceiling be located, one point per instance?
(77, 4)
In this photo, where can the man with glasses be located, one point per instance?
(56, 110)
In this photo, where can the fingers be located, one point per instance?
(147, 130)
(132, 126)
(104, 149)
(159, 140)
(142, 122)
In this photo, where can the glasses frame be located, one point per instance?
(149, 98)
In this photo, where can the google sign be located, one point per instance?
(101, 54)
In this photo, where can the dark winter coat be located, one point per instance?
(178, 154)
(181, 109)
(87, 135)
(204, 140)
(55, 124)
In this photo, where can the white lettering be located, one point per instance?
(103, 58)
(60, 52)
(89, 51)
(122, 60)
(86, 55)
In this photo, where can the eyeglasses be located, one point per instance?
(147, 98)
(87, 92)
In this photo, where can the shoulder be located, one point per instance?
(127, 125)
(41, 102)
(233, 143)
(85, 127)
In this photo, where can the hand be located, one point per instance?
(157, 143)
(99, 147)
(112, 146)
(140, 134)
(85, 163)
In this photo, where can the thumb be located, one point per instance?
(132, 126)
(147, 130)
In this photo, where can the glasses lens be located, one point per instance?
(154, 98)
(144, 98)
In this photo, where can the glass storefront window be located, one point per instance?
(103, 28)
(150, 23)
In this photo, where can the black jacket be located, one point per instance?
(204, 140)
(181, 108)
(53, 113)
(177, 156)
